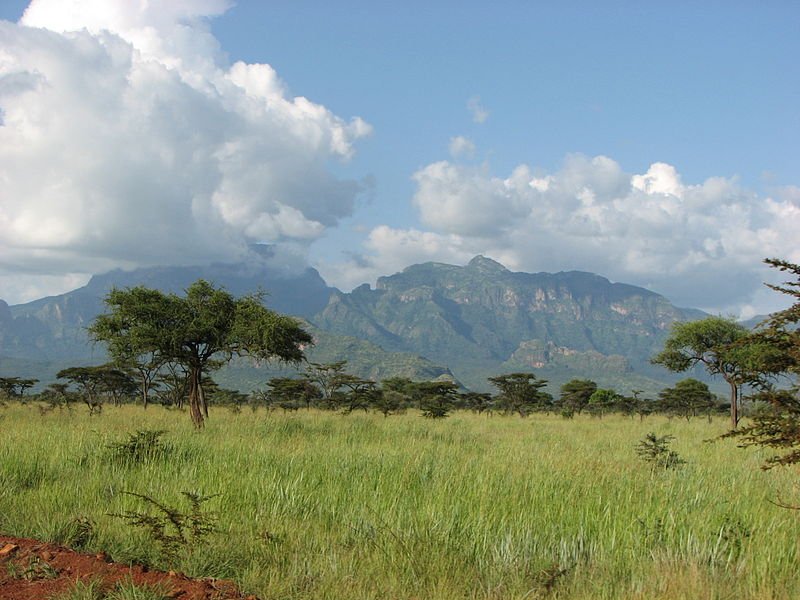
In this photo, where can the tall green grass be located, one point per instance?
(323, 506)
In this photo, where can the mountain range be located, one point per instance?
(430, 320)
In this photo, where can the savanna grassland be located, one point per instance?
(317, 505)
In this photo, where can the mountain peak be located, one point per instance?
(486, 265)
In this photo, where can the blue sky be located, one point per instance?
(577, 100)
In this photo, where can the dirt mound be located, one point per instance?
(33, 570)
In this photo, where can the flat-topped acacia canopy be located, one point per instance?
(201, 331)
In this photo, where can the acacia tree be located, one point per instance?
(360, 393)
(436, 398)
(135, 350)
(575, 394)
(521, 393)
(15, 386)
(688, 398)
(288, 391)
(172, 384)
(603, 400)
(777, 424)
(90, 383)
(200, 331)
(715, 343)
(328, 377)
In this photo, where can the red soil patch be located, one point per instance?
(32, 570)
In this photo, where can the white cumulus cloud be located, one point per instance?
(700, 244)
(127, 139)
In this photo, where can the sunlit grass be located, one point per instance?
(319, 505)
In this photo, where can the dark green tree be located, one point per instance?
(602, 401)
(655, 450)
(201, 331)
(777, 423)
(134, 351)
(575, 394)
(477, 402)
(399, 384)
(172, 384)
(714, 343)
(388, 402)
(58, 394)
(234, 400)
(627, 405)
(286, 390)
(687, 399)
(521, 393)
(14, 387)
(328, 378)
(358, 394)
(117, 384)
(436, 398)
(89, 381)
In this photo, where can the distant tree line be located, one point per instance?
(328, 386)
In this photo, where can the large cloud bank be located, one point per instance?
(699, 244)
(127, 139)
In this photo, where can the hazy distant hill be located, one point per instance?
(427, 321)
(39, 338)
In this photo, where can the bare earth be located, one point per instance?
(33, 570)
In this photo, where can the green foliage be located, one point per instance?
(602, 401)
(575, 394)
(172, 382)
(284, 391)
(716, 344)
(58, 395)
(521, 393)
(359, 394)
(777, 422)
(199, 331)
(89, 381)
(233, 400)
(477, 402)
(436, 398)
(170, 529)
(654, 449)
(93, 589)
(687, 399)
(389, 402)
(14, 387)
(128, 590)
(142, 446)
(327, 377)
(706, 342)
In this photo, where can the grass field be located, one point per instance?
(317, 505)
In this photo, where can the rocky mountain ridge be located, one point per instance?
(429, 320)
(482, 318)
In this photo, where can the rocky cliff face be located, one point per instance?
(482, 317)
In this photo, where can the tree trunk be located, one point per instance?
(734, 404)
(202, 395)
(196, 396)
(145, 388)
